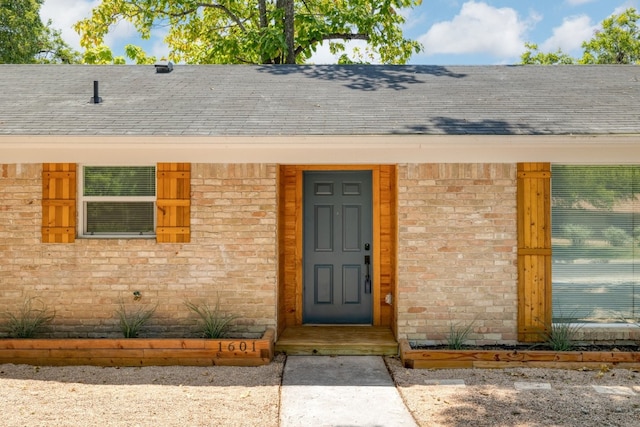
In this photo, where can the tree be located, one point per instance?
(24, 39)
(54, 50)
(598, 186)
(533, 56)
(20, 30)
(257, 31)
(617, 43)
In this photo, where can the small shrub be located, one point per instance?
(213, 322)
(578, 234)
(458, 335)
(616, 236)
(132, 321)
(562, 336)
(28, 321)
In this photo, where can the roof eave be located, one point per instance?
(322, 149)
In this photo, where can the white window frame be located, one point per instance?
(83, 200)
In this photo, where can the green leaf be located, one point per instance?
(618, 42)
(25, 39)
(233, 32)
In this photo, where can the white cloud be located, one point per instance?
(64, 14)
(412, 18)
(322, 55)
(479, 28)
(159, 48)
(624, 6)
(570, 35)
(579, 2)
(123, 31)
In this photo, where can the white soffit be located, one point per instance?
(380, 149)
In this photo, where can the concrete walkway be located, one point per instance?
(340, 391)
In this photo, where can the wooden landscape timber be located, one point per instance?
(457, 359)
(323, 340)
(139, 351)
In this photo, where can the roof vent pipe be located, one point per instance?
(96, 99)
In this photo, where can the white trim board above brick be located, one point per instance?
(356, 149)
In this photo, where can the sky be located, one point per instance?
(452, 32)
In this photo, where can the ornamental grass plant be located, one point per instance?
(213, 322)
(29, 320)
(562, 336)
(132, 320)
(458, 335)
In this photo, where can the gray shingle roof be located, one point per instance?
(233, 100)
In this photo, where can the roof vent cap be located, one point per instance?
(164, 66)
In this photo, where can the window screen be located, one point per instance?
(595, 242)
(118, 200)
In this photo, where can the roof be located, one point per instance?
(242, 100)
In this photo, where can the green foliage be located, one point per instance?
(132, 320)
(458, 335)
(101, 55)
(29, 320)
(618, 42)
(24, 39)
(532, 56)
(119, 181)
(138, 55)
(20, 31)
(598, 186)
(604, 253)
(104, 216)
(578, 234)
(562, 336)
(254, 31)
(214, 323)
(616, 236)
(54, 50)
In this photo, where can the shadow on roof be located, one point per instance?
(366, 77)
(457, 126)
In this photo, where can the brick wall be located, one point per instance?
(457, 251)
(232, 255)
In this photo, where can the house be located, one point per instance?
(414, 198)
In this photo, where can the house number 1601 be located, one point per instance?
(242, 346)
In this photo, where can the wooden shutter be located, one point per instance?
(58, 202)
(534, 251)
(173, 203)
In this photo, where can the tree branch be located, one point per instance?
(346, 36)
(225, 9)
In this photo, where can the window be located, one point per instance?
(595, 239)
(117, 201)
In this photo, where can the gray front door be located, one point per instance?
(337, 247)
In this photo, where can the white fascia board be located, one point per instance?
(378, 149)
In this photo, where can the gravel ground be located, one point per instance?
(232, 396)
(490, 397)
(149, 396)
